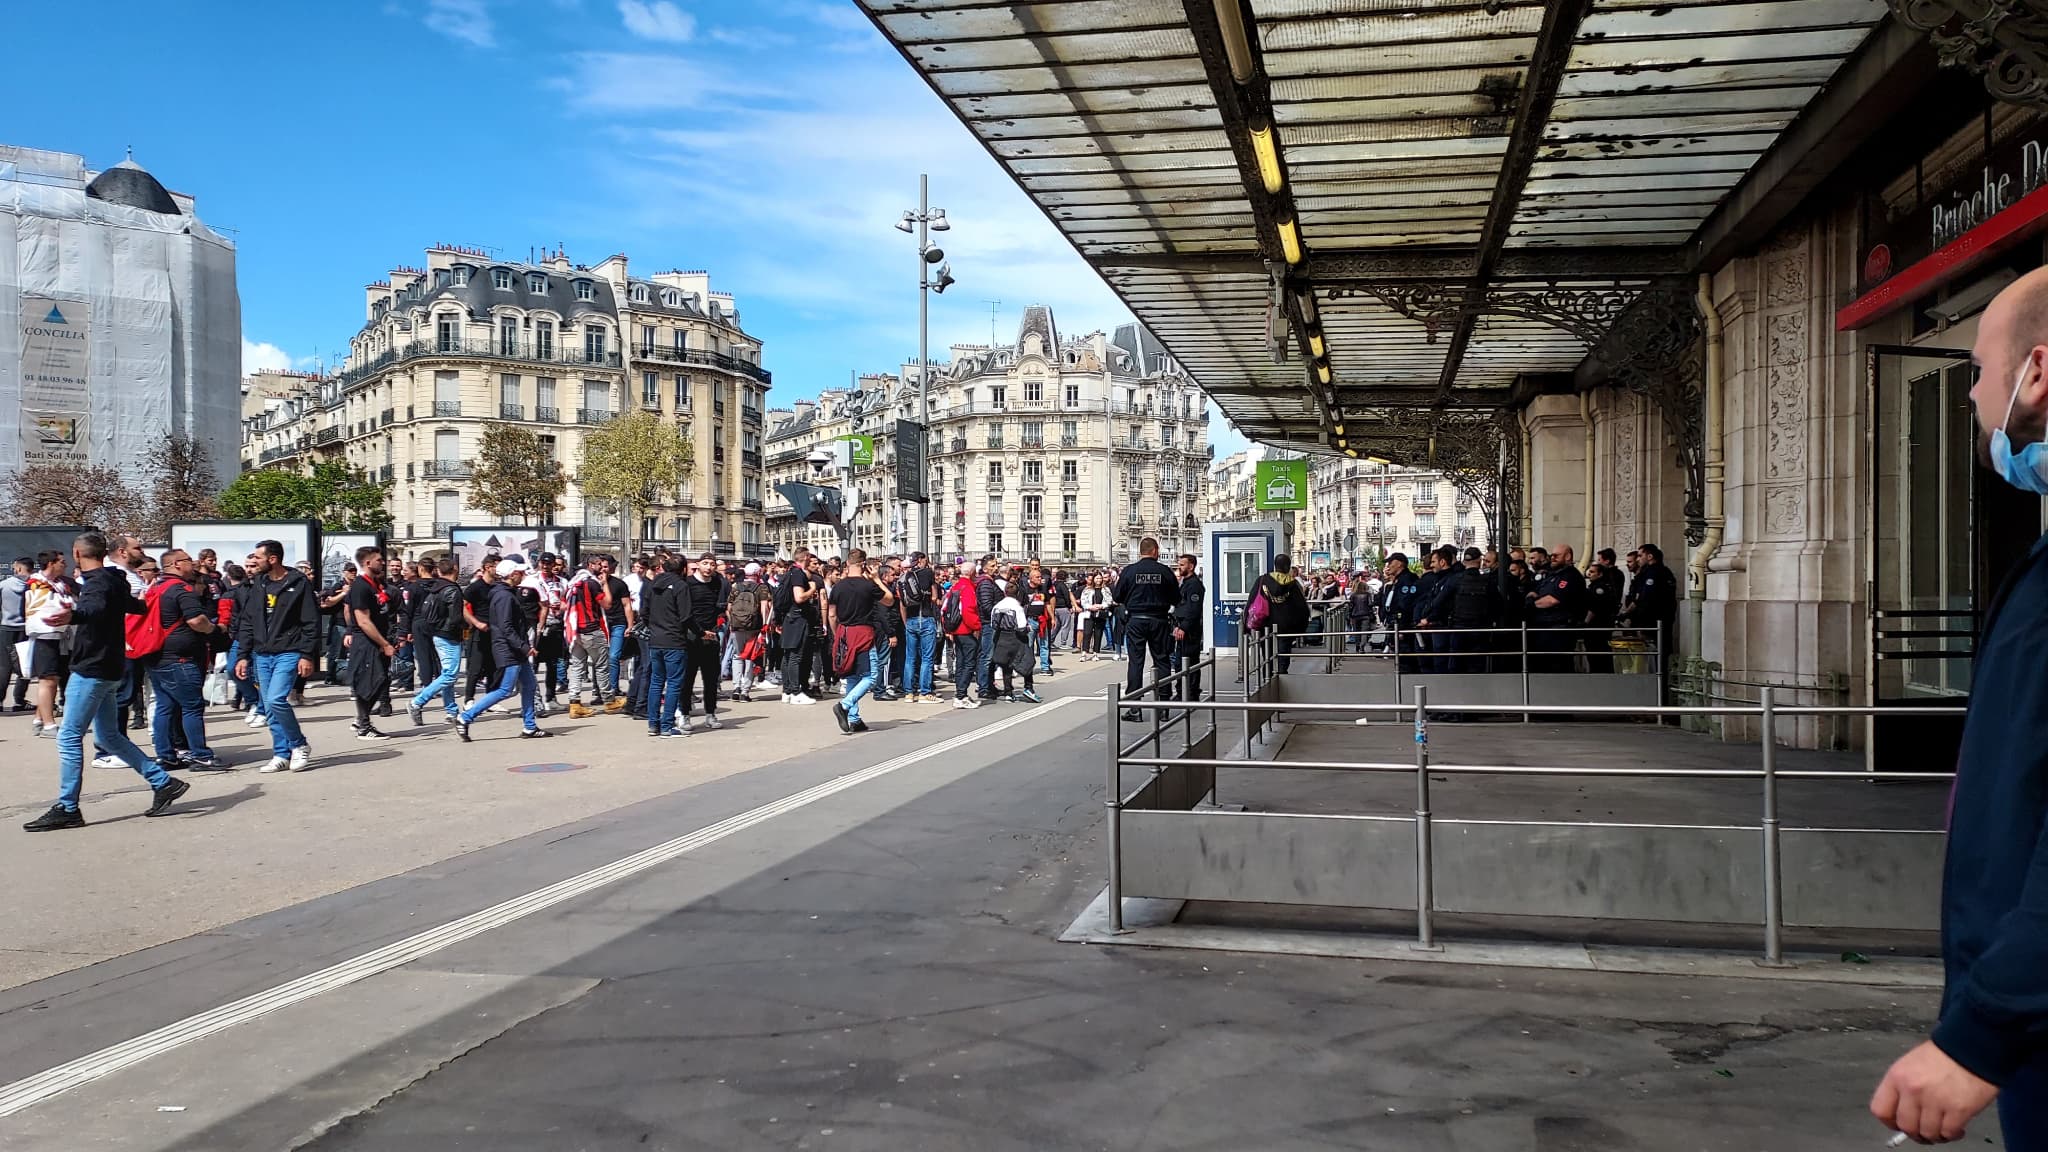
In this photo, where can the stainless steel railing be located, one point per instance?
(1767, 772)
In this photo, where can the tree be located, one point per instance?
(270, 495)
(516, 475)
(349, 501)
(181, 484)
(74, 494)
(631, 460)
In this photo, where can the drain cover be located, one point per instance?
(540, 768)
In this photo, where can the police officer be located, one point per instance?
(1558, 601)
(1398, 591)
(1472, 602)
(1652, 600)
(1603, 607)
(1149, 591)
(1187, 627)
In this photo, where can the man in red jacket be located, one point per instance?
(966, 636)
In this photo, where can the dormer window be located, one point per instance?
(461, 276)
(501, 279)
(584, 290)
(672, 299)
(639, 293)
(443, 278)
(536, 284)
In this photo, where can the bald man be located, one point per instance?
(1991, 1040)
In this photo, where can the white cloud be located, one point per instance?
(466, 20)
(264, 357)
(657, 20)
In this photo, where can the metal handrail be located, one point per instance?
(1261, 650)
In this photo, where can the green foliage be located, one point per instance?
(349, 501)
(634, 459)
(516, 475)
(270, 495)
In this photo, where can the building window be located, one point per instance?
(584, 290)
(544, 393)
(544, 339)
(1070, 508)
(1034, 390)
(1070, 433)
(508, 390)
(501, 279)
(593, 344)
(508, 336)
(1067, 542)
(547, 445)
(639, 293)
(1034, 508)
(461, 276)
(448, 333)
(650, 390)
(995, 471)
(995, 543)
(671, 298)
(647, 339)
(999, 396)
(536, 284)
(1031, 544)
(443, 277)
(995, 433)
(447, 447)
(682, 393)
(1034, 471)
(1070, 471)
(1034, 433)
(1073, 395)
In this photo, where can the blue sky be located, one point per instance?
(772, 142)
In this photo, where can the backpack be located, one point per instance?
(743, 611)
(437, 610)
(1261, 611)
(146, 632)
(953, 613)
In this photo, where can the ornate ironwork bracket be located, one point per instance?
(1586, 313)
(1479, 450)
(2004, 41)
(1656, 349)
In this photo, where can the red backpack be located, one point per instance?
(146, 632)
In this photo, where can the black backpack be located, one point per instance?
(436, 609)
(952, 614)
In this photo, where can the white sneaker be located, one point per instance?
(976, 703)
(800, 698)
(276, 764)
(960, 702)
(683, 724)
(257, 719)
(109, 761)
(711, 722)
(505, 708)
(302, 758)
(540, 708)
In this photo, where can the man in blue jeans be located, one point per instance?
(437, 619)
(178, 671)
(667, 604)
(920, 628)
(99, 662)
(279, 634)
(851, 608)
(512, 650)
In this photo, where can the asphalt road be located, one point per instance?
(879, 970)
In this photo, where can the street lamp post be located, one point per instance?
(927, 220)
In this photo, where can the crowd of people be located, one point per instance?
(110, 639)
(1455, 613)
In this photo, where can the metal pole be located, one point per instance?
(1525, 668)
(1397, 658)
(1774, 911)
(1116, 811)
(924, 410)
(1425, 879)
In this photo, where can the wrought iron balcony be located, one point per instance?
(1031, 442)
(671, 355)
(486, 349)
(749, 458)
(449, 470)
(1070, 441)
(443, 527)
(1033, 521)
(1032, 481)
(650, 403)
(511, 411)
(750, 417)
(547, 414)
(995, 520)
(327, 436)
(593, 416)
(447, 407)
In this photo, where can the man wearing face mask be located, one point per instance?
(1991, 1039)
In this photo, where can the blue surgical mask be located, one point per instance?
(2028, 471)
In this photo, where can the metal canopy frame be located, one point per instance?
(1482, 194)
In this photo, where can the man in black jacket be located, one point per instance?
(665, 606)
(1399, 590)
(99, 663)
(279, 637)
(1187, 627)
(708, 591)
(511, 640)
(1472, 601)
(1149, 591)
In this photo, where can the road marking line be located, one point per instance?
(30, 1091)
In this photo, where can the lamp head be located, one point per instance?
(945, 279)
(908, 223)
(938, 220)
(934, 254)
